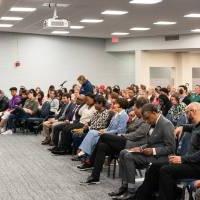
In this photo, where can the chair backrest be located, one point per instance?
(45, 110)
(184, 144)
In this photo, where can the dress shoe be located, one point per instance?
(53, 149)
(119, 192)
(51, 143)
(91, 181)
(85, 167)
(61, 152)
(126, 196)
(46, 142)
(76, 158)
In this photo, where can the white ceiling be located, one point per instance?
(139, 15)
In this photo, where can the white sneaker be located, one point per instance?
(2, 130)
(8, 132)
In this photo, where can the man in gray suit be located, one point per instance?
(160, 144)
(112, 144)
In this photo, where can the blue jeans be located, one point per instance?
(89, 142)
(15, 117)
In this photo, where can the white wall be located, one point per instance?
(152, 52)
(185, 42)
(50, 60)
(182, 62)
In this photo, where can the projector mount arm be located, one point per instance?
(51, 4)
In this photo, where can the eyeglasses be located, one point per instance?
(188, 111)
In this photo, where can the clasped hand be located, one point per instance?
(146, 151)
(175, 159)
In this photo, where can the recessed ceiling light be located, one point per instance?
(145, 1)
(196, 30)
(120, 33)
(77, 27)
(114, 12)
(194, 15)
(60, 32)
(164, 23)
(22, 9)
(92, 20)
(139, 29)
(6, 25)
(11, 18)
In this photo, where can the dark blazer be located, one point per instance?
(193, 154)
(162, 138)
(76, 113)
(59, 115)
(69, 111)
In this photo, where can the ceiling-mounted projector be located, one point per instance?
(55, 22)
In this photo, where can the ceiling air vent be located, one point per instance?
(172, 37)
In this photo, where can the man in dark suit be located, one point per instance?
(160, 144)
(65, 114)
(71, 118)
(187, 166)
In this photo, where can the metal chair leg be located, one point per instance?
(109, 162)
(114, 169)
(183, 194)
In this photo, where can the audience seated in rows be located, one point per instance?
(13, 104)
(98, 122)
(160, 144)
(163, 177)
(29, 109)
(64, 116)
(86, 112)
(118, 125)
(138, 132)
(112, 144)
(74, 118)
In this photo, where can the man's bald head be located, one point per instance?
(193, 106)
(193, 112)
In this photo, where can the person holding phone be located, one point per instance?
(160, 144)
(187, 166)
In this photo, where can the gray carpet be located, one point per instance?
(29, 172)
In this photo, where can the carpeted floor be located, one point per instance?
(28, 171)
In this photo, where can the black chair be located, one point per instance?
(34, 124)
(111, 158)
